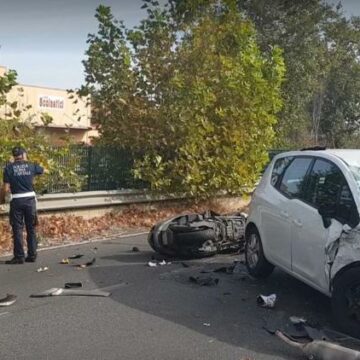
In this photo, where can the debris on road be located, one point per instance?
(185, 265)
(321, 350)
(8, 300)
(71, 285)
(204, 280)
(163, 262)
(70, 292)
(65, 261)
(135, 249)
(89, 263)
(267, 301)
(77, 256)
(152, 264)
(207, 324)
(42, 269)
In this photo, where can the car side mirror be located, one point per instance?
(327, 212)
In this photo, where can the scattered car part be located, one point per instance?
(198, 235)
(267, 301)
(152, 264)
(204, 280)
(8, 300)
(322, 350)
(70, 292)
(42, 269)
(65, 261)
(72, 285)
(135, 249)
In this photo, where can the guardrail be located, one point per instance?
(94, 199)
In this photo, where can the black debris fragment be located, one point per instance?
(89, 263)
(135, 249)
(204, 280)
(8, 300)
(225, 269)
(77, 256)
(71, 285)
(185, 265)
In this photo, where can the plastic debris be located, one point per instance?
(267, 301)
(77, 256)
(42, 269)
(8, 300)
(163, 262)
(152, 264)
(65, 261)
(135, 249)
(321, 350)
(207, 324)
(71, 292)
(71, 285)
(204, 280)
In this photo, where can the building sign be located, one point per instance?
(51, 102)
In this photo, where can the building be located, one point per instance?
(40, 104)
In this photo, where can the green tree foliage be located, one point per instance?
(189, 92)
(321, 50)
(16, 132)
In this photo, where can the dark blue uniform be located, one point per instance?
(20, 175)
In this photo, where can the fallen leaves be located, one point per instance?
(59, 229)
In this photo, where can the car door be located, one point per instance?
(286, 183)
(326, 184)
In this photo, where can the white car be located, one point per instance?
(304, 219)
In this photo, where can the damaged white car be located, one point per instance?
(304, 218)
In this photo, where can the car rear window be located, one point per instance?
(278, 169)
(294, 179)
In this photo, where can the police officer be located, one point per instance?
(18, 178)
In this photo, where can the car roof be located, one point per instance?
(349, 156)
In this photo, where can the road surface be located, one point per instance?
(153, 313)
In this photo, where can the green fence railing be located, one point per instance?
(103, 168)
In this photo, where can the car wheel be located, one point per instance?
(346, 301)
(256, 262)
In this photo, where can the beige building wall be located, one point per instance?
(67, 117)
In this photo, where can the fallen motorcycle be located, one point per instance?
(198, 235)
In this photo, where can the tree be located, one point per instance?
(320, 52)
(16, 132)
(195, 101)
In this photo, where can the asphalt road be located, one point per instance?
(153, 313)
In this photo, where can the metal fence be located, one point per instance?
(103, 168)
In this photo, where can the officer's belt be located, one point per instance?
(23, 195)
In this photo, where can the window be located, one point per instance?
(293, 181)
(328, 186)
(325, 181)
(279, 167)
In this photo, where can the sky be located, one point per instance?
(45, 40)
